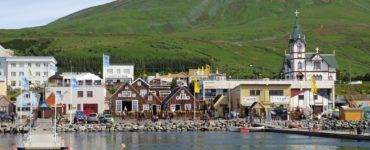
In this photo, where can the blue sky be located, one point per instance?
(16, 14)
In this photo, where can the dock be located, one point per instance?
(42, 137)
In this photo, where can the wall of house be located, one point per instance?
(3, 87)
(308, 101)
(37, 73)
(99, 93)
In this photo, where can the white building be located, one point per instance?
(303, 65)
(36, 68)
(303, 68)
(89, 96)
(118, 74)
(26, 101)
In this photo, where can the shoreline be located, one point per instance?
(183, 126)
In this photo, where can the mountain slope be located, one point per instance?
(172, 35)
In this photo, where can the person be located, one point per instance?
(12, 115)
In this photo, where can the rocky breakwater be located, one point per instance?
(147, 126)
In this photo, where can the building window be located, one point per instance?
(317, 65)
(143, 92)
(118, 105)
(110, 71)
(21, 73)
(118, 71)
(45, 74)
(182, 96)
(126, 87)
(164, 93)
(38, 65)
(145, 107)
(38, 74)
(13, 74)
(126, 71)
(21, 65)
(88, 82)
(299, 65)
(150, 97)
(45, 65)
(80, 94)
(315, 97)
(138, 83)
(80, 82)
(29, 64)
(126, 93)
(135, 105)
(300, 97)
(187, 106)
(254, 92)
(13, 83)
(276, 92)
(89, 93)
(13, 64)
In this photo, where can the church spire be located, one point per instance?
(296, 34)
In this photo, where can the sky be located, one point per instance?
(15, 14)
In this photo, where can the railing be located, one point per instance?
(247, 101)
(279, 99)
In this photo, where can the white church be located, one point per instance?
(301, 66)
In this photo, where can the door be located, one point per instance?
(154, 108)
(90, 108)
(126, 105)
(317, 109)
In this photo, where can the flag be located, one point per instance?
(74, 83)
(29, 72)
(25, 83)
(51, 100)
(58, 97)
(313, 85)
(105, 60)
(196, 86)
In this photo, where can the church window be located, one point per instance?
(317, 65)
(299, 65)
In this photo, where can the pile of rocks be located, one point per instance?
(333, 124)
(11, 128)
(161, 126)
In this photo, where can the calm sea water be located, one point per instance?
(198, 141)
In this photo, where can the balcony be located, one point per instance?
(279, 99)
(248, 101)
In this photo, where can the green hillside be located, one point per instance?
(173, 35)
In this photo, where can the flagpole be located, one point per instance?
(70, 100)
(194, 105)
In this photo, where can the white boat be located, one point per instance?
(233, 129)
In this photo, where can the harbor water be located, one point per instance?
(195, 140)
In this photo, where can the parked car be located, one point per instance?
(4, 116)
(106, 118)
(79, 117)
(92, 118)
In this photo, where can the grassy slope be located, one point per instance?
(234, 33)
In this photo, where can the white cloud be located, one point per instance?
(16, 14)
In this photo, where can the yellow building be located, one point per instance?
(267, 94)
(3, 88)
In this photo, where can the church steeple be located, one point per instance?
(296, 34)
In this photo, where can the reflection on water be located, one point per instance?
(197, 140)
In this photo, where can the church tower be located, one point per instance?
(297, 48)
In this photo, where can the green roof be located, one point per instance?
(296, 34)
(329, 58)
